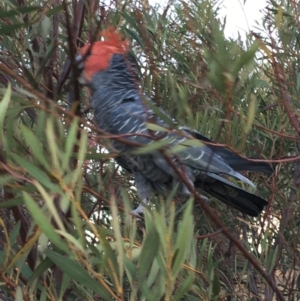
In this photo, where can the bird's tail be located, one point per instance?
(241, 164)
(233, 196)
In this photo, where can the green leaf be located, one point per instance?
(19, 259)
(177, 148)
(44, 295)
(35, 146)
(36, 173)
(55, 10)
(156, 127)
(118, 237)
(271, 259)
(251, 115)
(43, 222)
(78, 273)
(14, 233)
(45, 27)
(70, 142)
(18, 11)
(12, 202)
(3, 108)
(149, 251)
(192, 142)
(111, 263)
(66, 279)
(154, 146)
(52, 143)
(152, 276)
(246, 58)
(216, 284)
(134, 36)
(161, 227)
(184, 287)
(7, 29)
(19, 294)
(184, 239)
(279, 16)
(130, 268)
(39, 270)
(49, 201)
(71, 239)
(77, 174)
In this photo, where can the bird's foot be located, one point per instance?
(204, 198)
(138, 212)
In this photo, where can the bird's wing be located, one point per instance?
(130, 118)
(234, 160)
(206, 161)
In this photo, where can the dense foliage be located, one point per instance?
(66, 232)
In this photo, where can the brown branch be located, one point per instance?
(183, 177)
(73, 39)
(20, 217)
(209, 234)
(10, 284)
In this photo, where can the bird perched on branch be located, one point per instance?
(157, 154)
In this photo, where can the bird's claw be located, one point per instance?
(138, 212)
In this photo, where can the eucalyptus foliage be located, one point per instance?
(66, 232)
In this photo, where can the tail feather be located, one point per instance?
(234, 196)
(239, 163)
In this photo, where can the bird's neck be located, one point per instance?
(105, 82)
(121, 75)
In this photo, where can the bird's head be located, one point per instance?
(96, 57)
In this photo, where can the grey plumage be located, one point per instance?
(120, 110)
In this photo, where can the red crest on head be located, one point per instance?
(102, 51)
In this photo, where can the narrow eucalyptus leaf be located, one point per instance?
(78, 273)
(149, 251)
(43, 222)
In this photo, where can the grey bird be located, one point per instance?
(120, 109)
